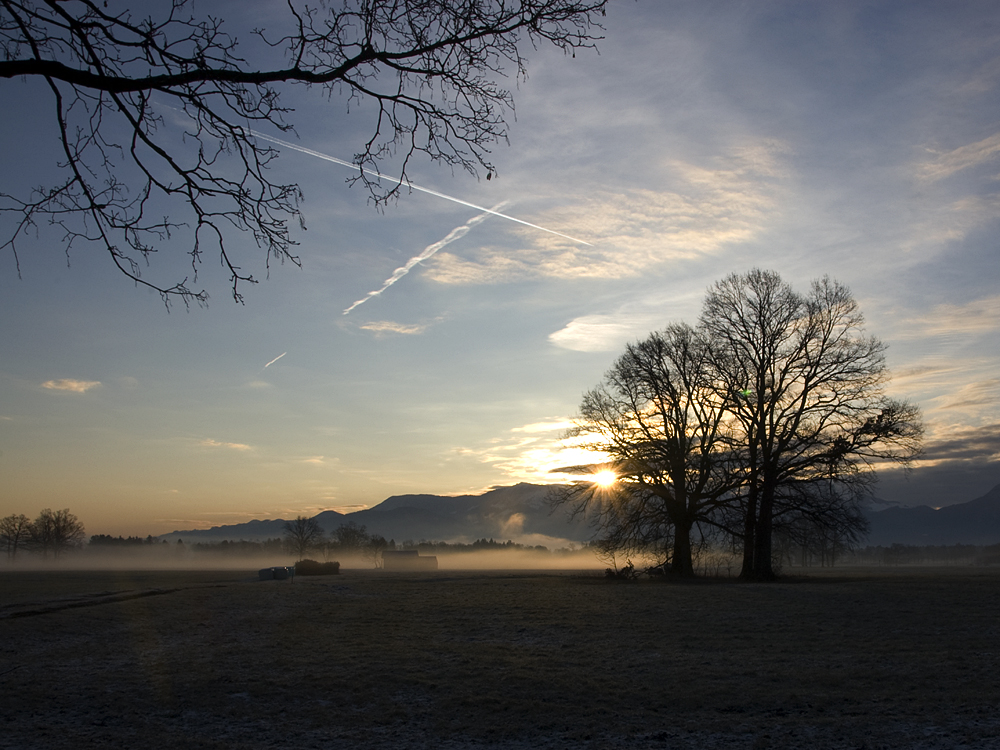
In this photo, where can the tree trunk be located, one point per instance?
(682, 565)
(762, 568)
(749, 529)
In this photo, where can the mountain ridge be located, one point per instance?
(521, 513)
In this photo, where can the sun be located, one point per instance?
(604, 478)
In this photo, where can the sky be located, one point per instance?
(855, 139)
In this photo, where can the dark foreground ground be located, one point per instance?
(862, 659)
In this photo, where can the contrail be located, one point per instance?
(428, 251)
(355, 167)
(274, 360)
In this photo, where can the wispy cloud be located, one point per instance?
(946, 163)
(983, 393)
(68, 384)
(319, 460)
(962, 442)
(974, 317)
(707, 209)
(388, 326)
(602, 333)
(535, 427)
(429, 251)
(210, 443)
(534, 458)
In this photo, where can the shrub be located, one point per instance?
(313, 568)
(625, 573)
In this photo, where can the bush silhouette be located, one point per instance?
(313, 568)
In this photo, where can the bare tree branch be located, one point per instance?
(431, 68)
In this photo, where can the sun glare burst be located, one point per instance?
(605, 478)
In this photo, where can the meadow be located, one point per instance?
(842, 658)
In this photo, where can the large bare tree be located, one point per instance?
(15, 532)
(56, 531)
(302, 535)
(811, 406)
(662, 423)
(431, 70)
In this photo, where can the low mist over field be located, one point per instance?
(160, 558)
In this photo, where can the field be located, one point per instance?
(906, 658)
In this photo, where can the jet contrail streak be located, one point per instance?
(274, 360)
(428, 251)
(355, 167)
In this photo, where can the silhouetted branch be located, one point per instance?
(430, 66)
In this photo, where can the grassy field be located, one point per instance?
(901, 658)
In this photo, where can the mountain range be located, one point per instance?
(974, 522)
(522, 513)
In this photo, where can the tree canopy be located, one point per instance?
(432, 69)
(658, 418)
(770, 416)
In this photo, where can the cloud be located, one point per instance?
(68, 384)
(635, 230)
(946, 163)
(974, 317)
(959, 464)
(602, 333)
(210, 443)
(559, 424)
(319, 460)
(978, 394)
(962, 443)
(514, 525)
(533, 459)
(381, 327)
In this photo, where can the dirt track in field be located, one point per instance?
(498, 660)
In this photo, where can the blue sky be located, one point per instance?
(859, 140)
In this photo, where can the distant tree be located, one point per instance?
(806, 388)
(106, 540)
(302, 535)
(374, 548)
(426, 69)
(56, 532)
(15, 531)
(350, 537)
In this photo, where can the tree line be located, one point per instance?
(305, 535)
(53, 532)
(762, 424)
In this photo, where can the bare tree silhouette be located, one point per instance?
(15, 532)
(302, 535)
(659, 418)
(56, 531)
(812, 412)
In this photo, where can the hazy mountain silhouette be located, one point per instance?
(502, 513)
(518, 512)
(974, 522)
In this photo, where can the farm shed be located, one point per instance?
(408, 559)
